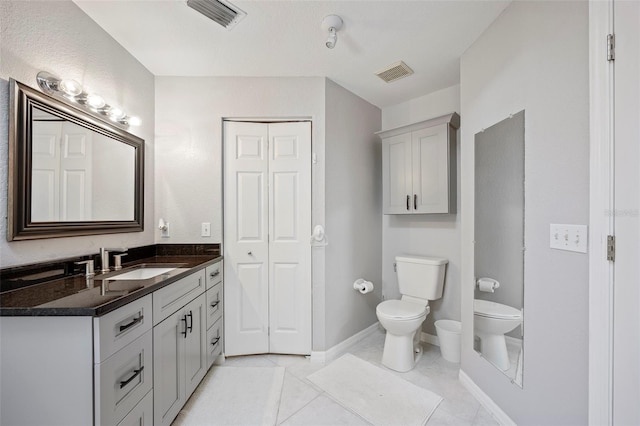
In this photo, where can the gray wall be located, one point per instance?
(535, 57)
(353, 212)
(58, 37)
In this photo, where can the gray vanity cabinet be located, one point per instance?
(136, 365)
(179, 348)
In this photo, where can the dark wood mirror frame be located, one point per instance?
(20, 226)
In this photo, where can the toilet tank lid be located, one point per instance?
(422, 259)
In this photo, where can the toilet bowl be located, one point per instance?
(420, 279)
(491, 321)
(403, 321)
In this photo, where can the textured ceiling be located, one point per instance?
(284, 38)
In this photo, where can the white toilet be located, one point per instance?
(420, 279)
(491, 321)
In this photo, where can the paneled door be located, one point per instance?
(626, 322)
(267, 224)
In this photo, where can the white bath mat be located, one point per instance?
(377, 395)
(221, 398)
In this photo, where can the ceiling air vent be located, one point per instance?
(223, 13)
(395, 72)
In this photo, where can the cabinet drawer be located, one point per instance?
(141, 415)
(117, 329)
(169, 299)
(214, 342)
(214, 274)
(214, 304)
(123, 380)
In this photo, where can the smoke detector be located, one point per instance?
(222, 12)
(395, 72)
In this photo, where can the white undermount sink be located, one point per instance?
(141, 274)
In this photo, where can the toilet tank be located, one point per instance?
(421, 277)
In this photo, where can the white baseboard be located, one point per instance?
(497, 413)
(429, 338)
(332, 353)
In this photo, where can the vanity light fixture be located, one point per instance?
(332, 24)
(72, 90)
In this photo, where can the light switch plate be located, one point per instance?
(568, 237)
(206, 229)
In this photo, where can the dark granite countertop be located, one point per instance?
(77, 296)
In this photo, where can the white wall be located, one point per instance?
(58, 37)
(353, 212)
(427, 235)
(535, 57)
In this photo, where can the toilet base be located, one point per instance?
(401, 353)
(493, 347)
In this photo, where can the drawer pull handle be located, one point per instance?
(132, 323)
(136, 373)
(216, 303)
(215, 341)
(190, 327)
(184, 333)
(415, 201)
(408, 199)
(215, 273)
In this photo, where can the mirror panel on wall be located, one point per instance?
(499, 246)
(70, 173)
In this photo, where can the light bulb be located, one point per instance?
(116, 113)
(134, 121)
(70, 87)
(95, 101)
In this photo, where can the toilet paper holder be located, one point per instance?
(487, 284)
(363, 286)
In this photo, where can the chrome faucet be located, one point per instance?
(104, 257)
(88, 268)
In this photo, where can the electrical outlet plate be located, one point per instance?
(568, 237)
(206, 229)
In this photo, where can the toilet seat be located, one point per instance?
(401, 310)
(486, 308)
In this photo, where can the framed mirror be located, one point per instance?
(499, 246)
(70, 173)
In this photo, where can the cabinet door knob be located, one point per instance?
(190, 326)
(184, 333)
(408, 200)
(249, 253)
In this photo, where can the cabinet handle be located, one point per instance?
(190, 327)
(184, 333)
(415, 201)
(132, 323)
(216, 303)
(215, 341)
(214, 274)
(408, 199)
(136, 373)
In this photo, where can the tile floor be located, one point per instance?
(302, 403)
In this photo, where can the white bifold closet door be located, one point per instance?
(267, 226)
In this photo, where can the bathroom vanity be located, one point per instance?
(109, 351)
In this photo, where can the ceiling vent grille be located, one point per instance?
(223, 13)
(395, 72)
